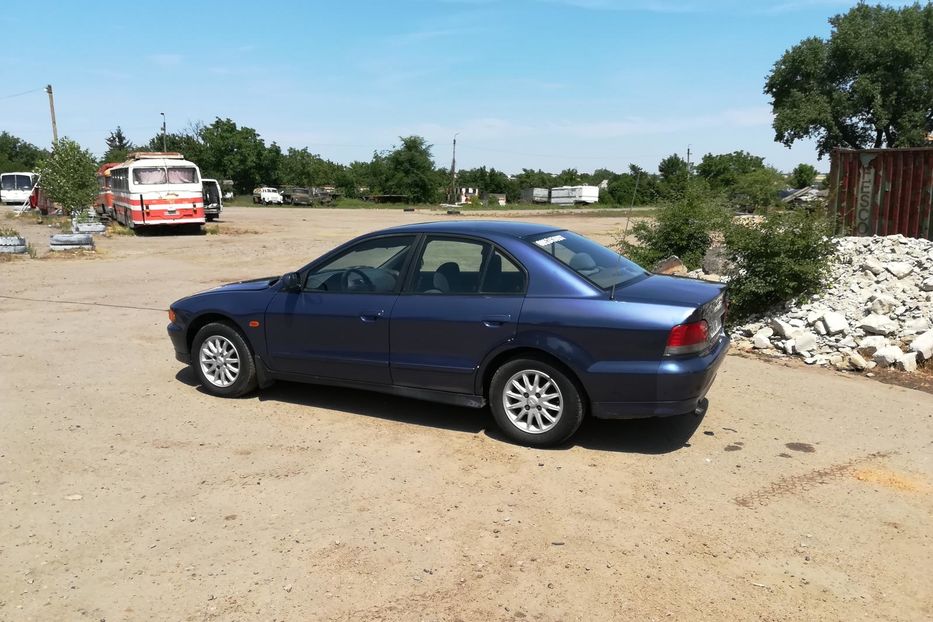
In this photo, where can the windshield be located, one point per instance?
(16, 182)
(152, 175)
(590, 260)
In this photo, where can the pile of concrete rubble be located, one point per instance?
(877, 310)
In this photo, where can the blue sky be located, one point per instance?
(545, 84)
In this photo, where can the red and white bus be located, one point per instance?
(154, 188)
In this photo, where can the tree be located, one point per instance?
(869, 85)
(118, 146)
(17, 154)
(409, 170)
(758, 188)
(803, 175)
(69, 176)
(675, 173)
(723, 171)
(236, 153)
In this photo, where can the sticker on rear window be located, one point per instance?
(550, 240)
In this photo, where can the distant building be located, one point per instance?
(572, 195)
(466, 195)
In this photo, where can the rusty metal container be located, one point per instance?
(882, 191)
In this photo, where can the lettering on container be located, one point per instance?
(866, 186)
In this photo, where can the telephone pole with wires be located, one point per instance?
(48, 89)
(453, 173)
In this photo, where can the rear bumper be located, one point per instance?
(177, 334)
(686, 380)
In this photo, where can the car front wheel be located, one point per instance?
(535, 403)
(222, 361)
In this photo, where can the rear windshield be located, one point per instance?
(16, 182)
(592, 261)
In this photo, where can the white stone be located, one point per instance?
(883, 304)
(857, 362)
(834, 322)
(887, 356)
(805, 341)
(874, 341)
(916, 326)
(927, 284)
(908, 362)
(820, 328)
(760, 341)
(878, 324)
(782, 329)
(900, 269)
(923, 345)
(873, 265)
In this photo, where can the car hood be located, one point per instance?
(681, 291)
(251, 285)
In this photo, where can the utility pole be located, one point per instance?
(164, 148)
(688, 159)
(48, 89)
(453, 173)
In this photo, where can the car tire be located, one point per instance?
(543, 419)
(223, 361)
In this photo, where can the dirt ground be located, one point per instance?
(128, 494)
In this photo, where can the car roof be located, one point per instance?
(475, 227)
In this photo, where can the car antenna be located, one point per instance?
(628, 219)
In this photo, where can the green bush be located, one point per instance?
(778, 259)
(682, 227)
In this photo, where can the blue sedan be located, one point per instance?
(542, 324)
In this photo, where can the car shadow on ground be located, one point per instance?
(642, 436)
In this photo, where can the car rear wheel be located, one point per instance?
(535, 403)
(222, 361)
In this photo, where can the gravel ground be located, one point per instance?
(128, 494)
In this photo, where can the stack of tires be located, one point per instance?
(14, 244)
(71, 241)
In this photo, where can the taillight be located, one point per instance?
(171, 315)
(687, 338)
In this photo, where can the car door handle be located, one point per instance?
(371, 316)
(496, 320)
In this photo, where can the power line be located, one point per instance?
(41, 88)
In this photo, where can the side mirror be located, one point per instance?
(291, 282)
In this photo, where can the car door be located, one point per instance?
(337, 326)
(462, 300)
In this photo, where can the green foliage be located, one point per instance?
(118, 146)
(489, 180)
(69, 176)
(803, 175)
(408, 170)
(755, 189)
(723, 171)
(870, 84)
(682, 227)
(18, 155)
(777, 260)
(675, 176)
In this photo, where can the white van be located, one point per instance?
(267, 196)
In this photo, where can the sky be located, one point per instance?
(548, 84)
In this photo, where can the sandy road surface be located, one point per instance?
(802, 495)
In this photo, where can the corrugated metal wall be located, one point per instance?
(882, 191)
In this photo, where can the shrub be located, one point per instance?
(69, 176)
(682, 227)
(778, 259)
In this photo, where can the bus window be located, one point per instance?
(182, 175)
(149, 176)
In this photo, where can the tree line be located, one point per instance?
(225, 150)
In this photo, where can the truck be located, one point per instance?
(266, 195)
(574, 195)
(213, 198)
